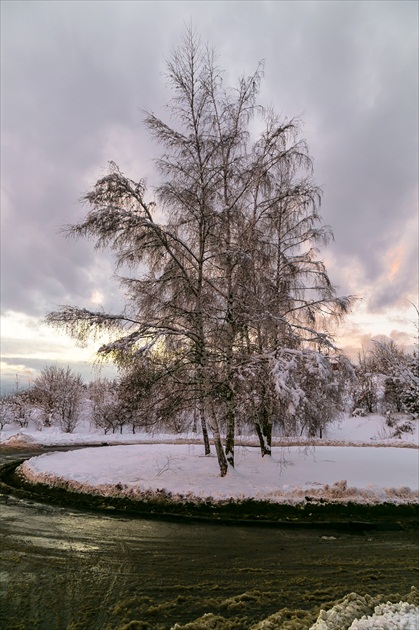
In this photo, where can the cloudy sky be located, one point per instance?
(75, 76)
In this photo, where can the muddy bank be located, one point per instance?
(313, 513)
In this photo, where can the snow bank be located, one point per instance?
(373, 428)
(353, 612)
(291, 475)
(357, 612)
(20, 440)
(390, 616)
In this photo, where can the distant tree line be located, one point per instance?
(301, 396)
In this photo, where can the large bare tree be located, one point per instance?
(222, 260)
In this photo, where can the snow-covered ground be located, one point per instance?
(371, 430)
(336, 473)
(370, 467)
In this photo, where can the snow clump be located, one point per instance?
(401, 616)
(358, 612)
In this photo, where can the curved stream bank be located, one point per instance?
(67, 569)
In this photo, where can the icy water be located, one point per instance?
(63, 569)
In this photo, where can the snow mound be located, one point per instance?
(353, 612)
(19, 439)
(352, 607)
(358, 612)
(390, 617)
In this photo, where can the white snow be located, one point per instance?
(384, 616)
(353, 463)
(370, 430)
(401, 616)
(368, 475)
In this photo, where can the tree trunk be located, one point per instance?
(264, 440)
(263, 427)
(222, 461)
(230, 431)
(201, 397)
(207, 448)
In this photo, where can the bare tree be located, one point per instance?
(18, 407)
(15, 407)
(103, 396)
(58, 393)
(222, 260)
(365, 393)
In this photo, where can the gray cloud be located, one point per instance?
(75, 75)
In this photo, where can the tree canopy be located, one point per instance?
(220, 261)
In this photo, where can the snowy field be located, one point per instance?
(371, 430)
(336, 473)
(359, 460)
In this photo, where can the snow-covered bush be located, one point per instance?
(358, 412)
(387, 380)
(399, 424)
(15, 408)
(6, 412)
(105, 411)
(311, 389)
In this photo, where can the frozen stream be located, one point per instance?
(63, 569)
